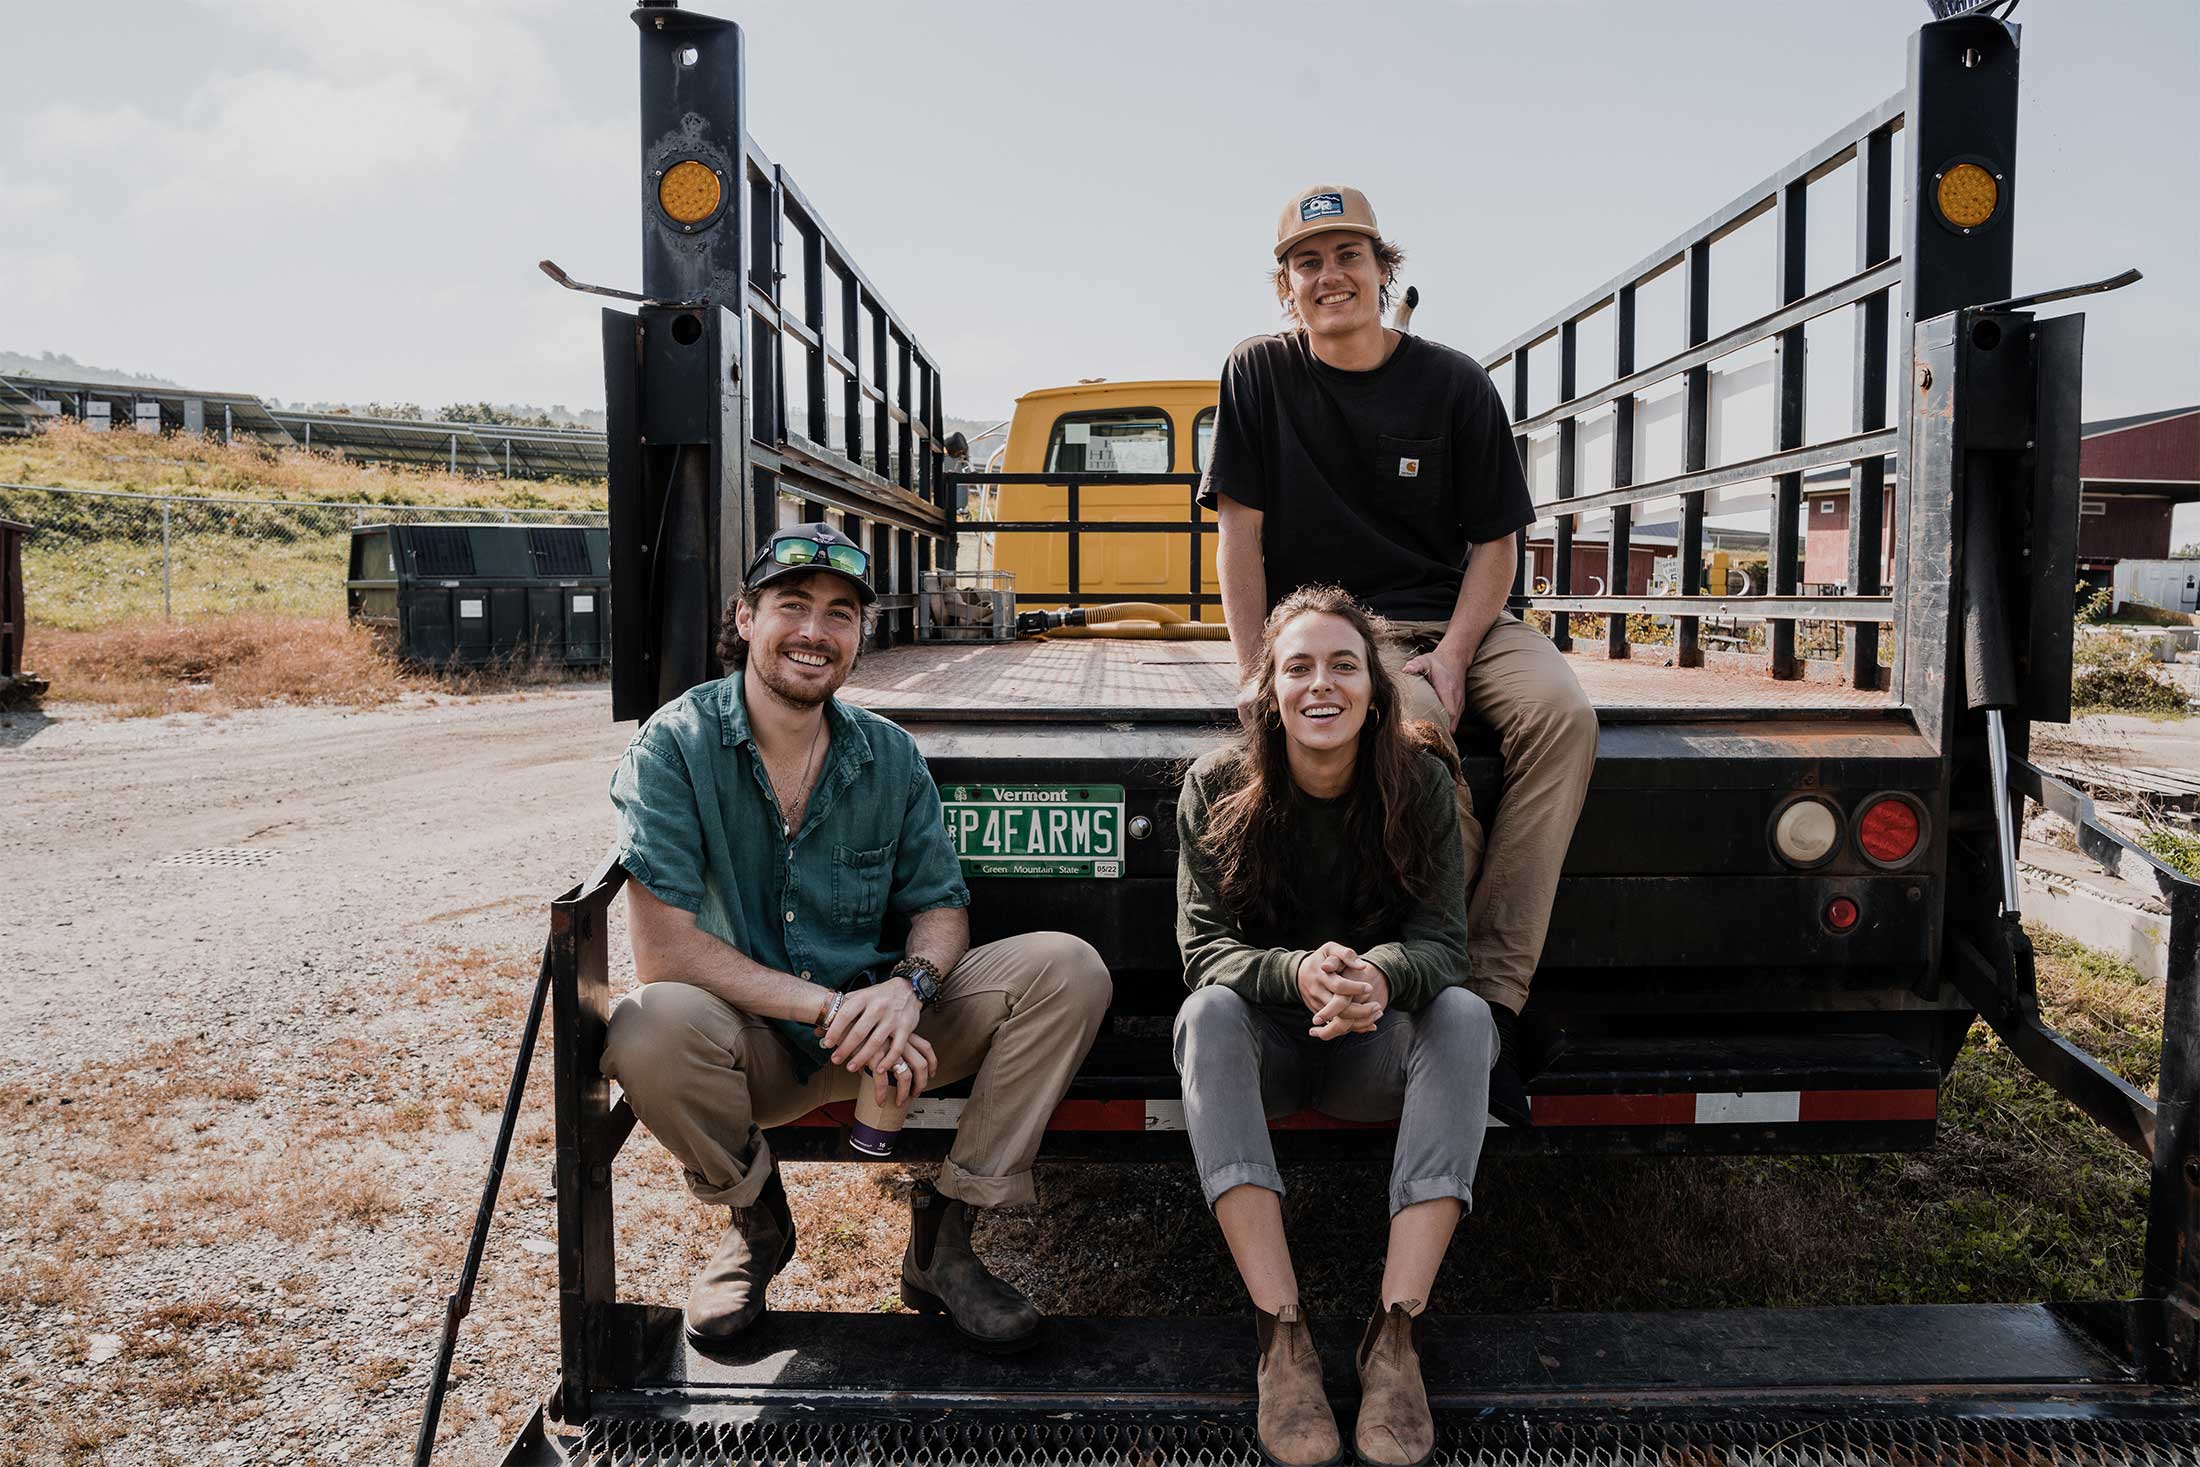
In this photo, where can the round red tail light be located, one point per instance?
(1889, 829)
(1841, 914)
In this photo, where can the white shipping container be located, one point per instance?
(2172, 585)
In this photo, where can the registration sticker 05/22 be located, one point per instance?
(1036, 829)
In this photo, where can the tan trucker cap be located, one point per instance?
(1324, 207)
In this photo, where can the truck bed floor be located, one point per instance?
(1096, 679)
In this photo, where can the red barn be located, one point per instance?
(2135, 472)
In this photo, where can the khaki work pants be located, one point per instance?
(1518, 684)
(707, 1079)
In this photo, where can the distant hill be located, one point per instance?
(69, 369)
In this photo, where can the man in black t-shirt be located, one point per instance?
(1350, 453)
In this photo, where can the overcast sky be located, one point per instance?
(315, 200)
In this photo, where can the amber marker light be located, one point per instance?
(1967, 195)
(689, 192)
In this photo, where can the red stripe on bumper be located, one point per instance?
(1314, 1120)
(1613, 1110)
(1098, 1115)
(1870, 1105)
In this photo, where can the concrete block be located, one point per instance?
(2083, 913)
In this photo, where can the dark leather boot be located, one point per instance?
(940, 1275)
(1295, 1427)
(1395, 1428)
(1508, 1090)
(728, 1295)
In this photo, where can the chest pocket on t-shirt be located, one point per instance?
(1413, 477)
(860, 883)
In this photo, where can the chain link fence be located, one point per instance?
(99, 556)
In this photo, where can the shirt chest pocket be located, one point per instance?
(861, 880)
(1414, 474)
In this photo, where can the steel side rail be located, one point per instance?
(2172, 1267)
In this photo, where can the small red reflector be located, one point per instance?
(1888, 831)
(1841, 914)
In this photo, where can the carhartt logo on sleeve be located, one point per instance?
(1409, 468)
(1320, 206)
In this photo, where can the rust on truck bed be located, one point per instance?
(1101, 680)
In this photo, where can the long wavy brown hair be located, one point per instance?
(1250, 841)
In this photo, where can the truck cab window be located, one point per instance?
(1203, 439)
(1118, 440)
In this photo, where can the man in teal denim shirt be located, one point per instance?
(770, 832)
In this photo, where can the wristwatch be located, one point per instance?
(922, 976)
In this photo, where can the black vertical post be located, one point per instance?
(906, 438)
(1199, 547)
(1789, 370)
(1868, 477)
(1695, 445)
(1076, 574)
(764, 337)
(1520, 446)
(851, 345)
(1962, 106)
(1562, 529)
(882, 442)
(580, 1014)
(2170, 1274)
(1617, 579)
(814, 426)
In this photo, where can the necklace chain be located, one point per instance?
(792, 810)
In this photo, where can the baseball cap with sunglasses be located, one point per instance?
(799, 549)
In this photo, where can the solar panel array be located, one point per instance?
(493, 450)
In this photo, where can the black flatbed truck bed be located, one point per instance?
(1696, 990)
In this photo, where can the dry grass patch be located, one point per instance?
(68, 455)
(224, 663)
(219, 664)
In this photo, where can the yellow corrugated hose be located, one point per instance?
(1143, 621)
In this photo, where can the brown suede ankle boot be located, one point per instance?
(1395, 1428)
(728, 1295)
(940, 1275)
(1295, 1427)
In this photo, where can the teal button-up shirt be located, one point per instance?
(700, 827)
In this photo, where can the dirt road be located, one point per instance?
(266, 972)
(369, 834)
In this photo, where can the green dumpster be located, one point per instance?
(462, 595)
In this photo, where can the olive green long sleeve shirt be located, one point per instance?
(1422, 955)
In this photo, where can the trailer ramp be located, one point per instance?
(1976, 1385)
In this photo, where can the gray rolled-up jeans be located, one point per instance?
(1243, 1063)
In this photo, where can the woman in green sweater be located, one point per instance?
(1321, 909)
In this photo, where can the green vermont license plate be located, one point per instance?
(1036, 829)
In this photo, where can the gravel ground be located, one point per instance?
(256, 1097)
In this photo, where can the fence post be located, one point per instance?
(167, 609)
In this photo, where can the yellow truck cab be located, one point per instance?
(1156, 427)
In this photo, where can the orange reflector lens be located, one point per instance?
(1888, 832)
(1841, 914)
(689, 192)
(1967, 195)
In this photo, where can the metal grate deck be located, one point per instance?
(1194, 681)
(1487, 1440)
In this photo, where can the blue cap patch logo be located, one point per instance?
(1320, 206)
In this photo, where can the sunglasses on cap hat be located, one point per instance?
(819, 547)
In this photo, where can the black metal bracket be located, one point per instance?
(2171, 1278)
